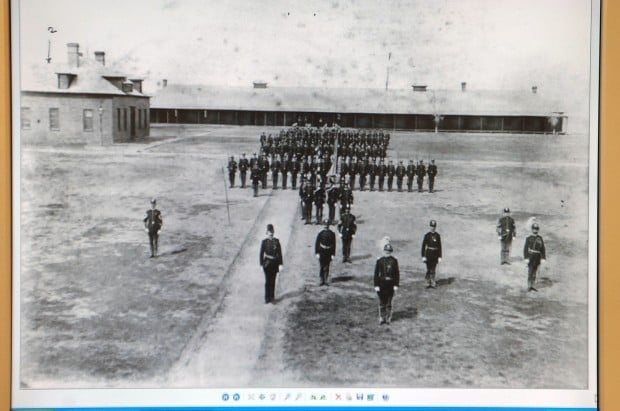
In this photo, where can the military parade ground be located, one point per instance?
(98, 312)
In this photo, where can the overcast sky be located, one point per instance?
(490, 44)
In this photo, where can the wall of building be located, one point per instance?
(70, 128)
(71, 123)
(414, 122)
(130, 118)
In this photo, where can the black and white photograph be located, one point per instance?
(334, 193)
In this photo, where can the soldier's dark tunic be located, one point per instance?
(400, 174)
(347, 229)
(410, 175)
(534, 251)
(333, 194)
(255, 176)
(391, 170)
(275, 171)
(232, 170)
(372, 172)
(296, 168)
(387, 276)
(286, 168)
(346, 199)
(270, 259)
(265, 170)
(319, 201)
(381, 172)
(431, 250)
(432, 172)
(153, 222)
(420, 172)
(244, 164)
(308, 198)
(325, 247)
(506, 231)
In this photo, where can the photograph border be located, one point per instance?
(609, 221)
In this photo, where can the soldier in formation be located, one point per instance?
(432, 173)
(232, 170)
(244, 165)
(421, 173)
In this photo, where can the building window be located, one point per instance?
(54, 119)
(88, 119)
(118, 118)
(25, 118)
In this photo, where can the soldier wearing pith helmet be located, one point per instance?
(431, 253)
(386, 282)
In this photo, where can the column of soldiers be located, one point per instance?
(373, 171)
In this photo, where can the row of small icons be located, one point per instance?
(310, 397)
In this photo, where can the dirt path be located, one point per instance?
(225, 349)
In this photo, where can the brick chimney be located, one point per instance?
(100, 57)
(260, 84)
(534, 89)
(73, 54)
(463, 86)
(164, 83)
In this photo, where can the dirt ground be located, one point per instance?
(96, 311)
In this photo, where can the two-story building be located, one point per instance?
(82, 102)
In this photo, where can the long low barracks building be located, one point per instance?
(417, 109)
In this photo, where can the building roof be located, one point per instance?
(90, 79)
(348, 100)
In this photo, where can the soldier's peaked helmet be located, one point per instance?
(433, 223)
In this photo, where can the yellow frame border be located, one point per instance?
(609, 225)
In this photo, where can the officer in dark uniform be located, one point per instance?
(325, 250)
(152, 225)
(386, 280)
(319, 200)
(255, 176)
(232, 170)
(400, 175)
(244, 164)
(431, 254)
(333, 194)
(270, 258)
(410, 175)
(432, 173)
(391, 170)
(421, 172)
(347, 229)
(506, 231)
(534, 254)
